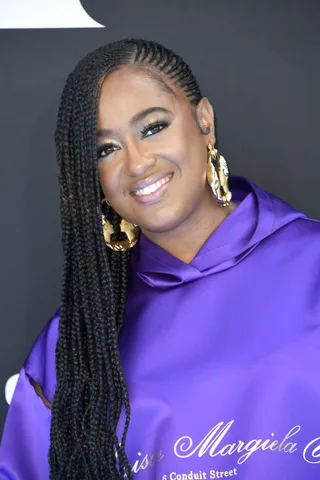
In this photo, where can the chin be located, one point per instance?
(162, 224)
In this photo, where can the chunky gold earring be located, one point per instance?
(218, 176)
(131, 231)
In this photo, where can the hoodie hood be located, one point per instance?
(259, 215)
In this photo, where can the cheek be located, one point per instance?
(109, 181)
(179, 145)
(188, 139)
(195, 158)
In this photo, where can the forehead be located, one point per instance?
(127, 91)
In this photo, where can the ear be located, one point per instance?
(205, 119)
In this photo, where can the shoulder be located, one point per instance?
(40, 364)
(295, 250)
(302, 233)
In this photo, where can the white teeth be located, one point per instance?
(152, 188)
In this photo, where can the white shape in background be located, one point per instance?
(45, 14)
(10, 387)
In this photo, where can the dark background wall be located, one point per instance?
(256, 60)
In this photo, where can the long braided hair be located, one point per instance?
(91, 391)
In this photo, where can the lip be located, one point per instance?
(146, 182)
(154, 197)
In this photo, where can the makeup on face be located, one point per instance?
(151, 155)
(154, 125)
(149, 189)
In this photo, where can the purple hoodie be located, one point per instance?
(222, 356)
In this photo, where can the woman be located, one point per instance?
(188, 333)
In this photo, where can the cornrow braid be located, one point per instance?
(91, 390)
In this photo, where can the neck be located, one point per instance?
(186, 240)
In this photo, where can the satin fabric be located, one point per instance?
(221, 356)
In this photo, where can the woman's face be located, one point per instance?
(151, 154)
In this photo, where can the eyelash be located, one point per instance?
(161, 125)
(157, 124)
(103, 148)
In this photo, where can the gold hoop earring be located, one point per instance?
(131, 231)
(218, 176)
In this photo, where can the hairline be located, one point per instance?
(158, 77)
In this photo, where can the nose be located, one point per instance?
(138, 160)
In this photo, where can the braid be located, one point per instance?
(91, 390)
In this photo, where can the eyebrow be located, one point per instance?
(105, 132)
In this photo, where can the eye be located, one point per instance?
(153, 128)
(105, 150)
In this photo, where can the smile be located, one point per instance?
(152, 188)
(152, 193)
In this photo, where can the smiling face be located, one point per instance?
(151, 154)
